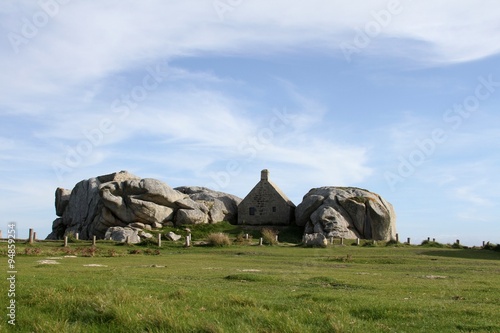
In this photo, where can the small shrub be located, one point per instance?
(112, 253)
(68, 251)
(72, 238)
(32, 251)
(134, 251)
(152, 252)
(89, 251)
(492, 247)
(427, 243)
(269, 236)
(370, 243)
(240, 239)
(218, 239)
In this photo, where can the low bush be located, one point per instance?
(269, 236)
(492, 247)
(427, 243)
(370, 243)
(218, 239)
(240, 239)
(152, 252)
(89, 251)
(32, 251)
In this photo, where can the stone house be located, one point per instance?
(266, 204)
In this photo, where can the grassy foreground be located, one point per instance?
(250, 288)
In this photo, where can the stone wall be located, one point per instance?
(268, 204)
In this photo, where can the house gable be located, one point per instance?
(266, 204)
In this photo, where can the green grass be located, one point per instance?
(250, 288)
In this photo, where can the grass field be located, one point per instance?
(250, 288)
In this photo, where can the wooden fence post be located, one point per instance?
(357, 241)
(31, 236)
(66, 241)
(342, 241)
(408, 241)
(94, 240)
(397, 238)
(159, 240)
(261, 241)
(77, 236)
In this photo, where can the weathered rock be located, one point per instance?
(120, 234)
(146, 235)
(315, 240)
(142, 200)
(172, 236)
(347, 212)
(191, 216)
(117, 199)
(62, 200)
(125, 200)
(138, 225)
(217, 206)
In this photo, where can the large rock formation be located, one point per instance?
(346, 212)
(125, 200)
(212, 206)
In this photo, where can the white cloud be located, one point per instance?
(88, 41)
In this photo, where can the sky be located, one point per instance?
(398, 97)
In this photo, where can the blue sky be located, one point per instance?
(398, 97)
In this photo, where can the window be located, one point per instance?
(274, 209)
(251, 211)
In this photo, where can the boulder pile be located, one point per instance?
(124, 200)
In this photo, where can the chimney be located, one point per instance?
(264, 175)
